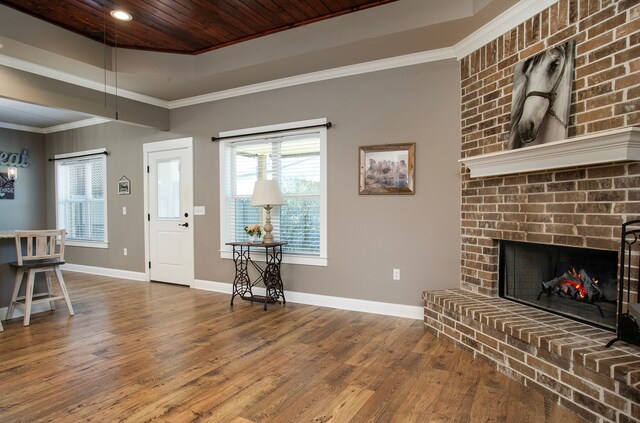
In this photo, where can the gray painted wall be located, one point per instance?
(368, 235)
(124, 144)
(28, 209)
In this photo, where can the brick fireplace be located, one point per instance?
(580, 283)
(577, 206)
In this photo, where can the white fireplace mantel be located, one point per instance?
(602, 147)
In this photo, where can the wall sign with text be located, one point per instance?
(14, 159)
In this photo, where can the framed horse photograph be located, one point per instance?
(542, 96)
(387, 169)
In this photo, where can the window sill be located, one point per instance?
(87, 244)
(286, 258)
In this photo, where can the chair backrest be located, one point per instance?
(40, 245)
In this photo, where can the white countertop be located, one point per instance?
(7, 234)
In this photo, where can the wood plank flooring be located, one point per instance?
(139, 352)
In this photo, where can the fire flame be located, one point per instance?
(576, 284)
(580, 289)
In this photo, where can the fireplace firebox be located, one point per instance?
(578, 283)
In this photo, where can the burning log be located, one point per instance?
(574, 284)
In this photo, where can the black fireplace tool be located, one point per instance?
(628, 329)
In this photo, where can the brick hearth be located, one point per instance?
(567, 361)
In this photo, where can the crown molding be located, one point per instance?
(58, 75)
(512, 17)
(22, 128)
(520, 12)
(323, 75)
(75, 125)
(57, 128)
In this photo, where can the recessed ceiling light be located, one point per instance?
(121, 15)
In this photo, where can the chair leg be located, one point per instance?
(47, 275)
(28, 297)
(16, 289)
(63, 287)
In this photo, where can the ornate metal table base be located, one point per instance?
(269, 275)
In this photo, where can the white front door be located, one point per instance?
(170, 211)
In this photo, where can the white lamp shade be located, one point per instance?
(266, 193)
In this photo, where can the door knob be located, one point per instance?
(186, 224)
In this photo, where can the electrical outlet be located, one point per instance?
(124, 252)
(124, 210)
(396, 274)
(198, 210)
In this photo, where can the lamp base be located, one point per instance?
(268, 227)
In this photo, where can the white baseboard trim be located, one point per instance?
(342, 303)
(365, 306)
(104, 271)
(18, 312)
(223, 287)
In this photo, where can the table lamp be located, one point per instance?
(266, 193)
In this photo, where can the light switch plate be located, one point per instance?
(198, 210)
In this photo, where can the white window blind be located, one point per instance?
(80, 197)
(295, 161)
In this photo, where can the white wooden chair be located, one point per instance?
(42, 253)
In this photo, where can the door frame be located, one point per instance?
(154, 147)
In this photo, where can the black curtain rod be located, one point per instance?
(106, 153)
(327, 125)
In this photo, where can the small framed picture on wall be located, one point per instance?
(124, 186)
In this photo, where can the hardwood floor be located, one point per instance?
(153, 352)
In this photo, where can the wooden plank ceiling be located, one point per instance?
(184, 26)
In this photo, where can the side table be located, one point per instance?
(269, 275)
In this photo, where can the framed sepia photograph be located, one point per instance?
(387, 169)
(124, 186)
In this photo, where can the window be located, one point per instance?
(80, 197)
(296, 159)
